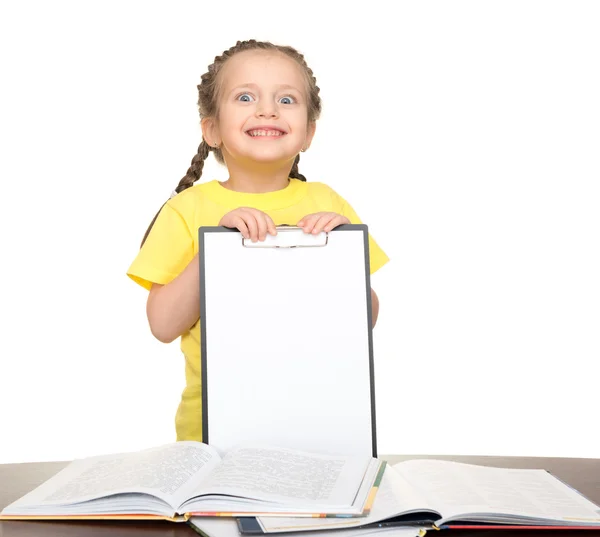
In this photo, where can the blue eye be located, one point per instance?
(245, 98)
(290, 100)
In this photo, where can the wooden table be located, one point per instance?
(18, 479)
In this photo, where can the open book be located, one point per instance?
(178, 480)
(443, 494)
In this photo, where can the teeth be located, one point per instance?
(260, 132)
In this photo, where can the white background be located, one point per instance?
(465, 133)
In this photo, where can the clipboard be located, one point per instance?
(286, 340)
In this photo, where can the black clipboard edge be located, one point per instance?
(202, 230)
(365, 230)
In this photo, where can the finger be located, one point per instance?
(252, 224)
(271, 227)
(303, 221)
(247, 220)
(321, 222)
(261, 220)
(335, 222)
(309, 221)
(238, 222)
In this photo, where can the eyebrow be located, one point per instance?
(254, 86)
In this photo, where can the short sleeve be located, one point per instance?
(377, 256)
(168, 249)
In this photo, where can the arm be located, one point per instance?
(374, 307)
(175, 307)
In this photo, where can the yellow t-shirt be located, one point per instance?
(173, 242)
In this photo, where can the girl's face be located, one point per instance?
(262, 109)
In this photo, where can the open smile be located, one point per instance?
(265, 133)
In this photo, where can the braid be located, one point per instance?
(192, 175)
(195, 170)
(294, 173)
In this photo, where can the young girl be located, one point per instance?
(259, 104)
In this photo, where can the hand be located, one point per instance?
(318, 222)
(252, 223)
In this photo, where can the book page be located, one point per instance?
(458, 488)
(166, 472)
(395, 497)
(288, 476)
(226, 527)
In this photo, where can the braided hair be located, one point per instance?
(208, 96)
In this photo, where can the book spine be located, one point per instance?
(511, 527)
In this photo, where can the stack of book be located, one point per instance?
(418, 495)
(258, 490)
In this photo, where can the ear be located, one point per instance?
(210, 132)
(310, 132)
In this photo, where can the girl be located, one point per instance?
(258, 105)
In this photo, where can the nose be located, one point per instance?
(266, 108)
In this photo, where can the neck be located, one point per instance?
(258, 178)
